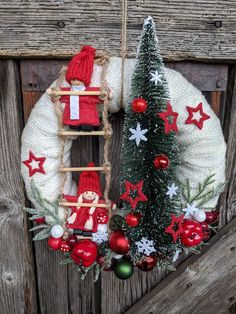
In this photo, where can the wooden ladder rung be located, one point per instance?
(51, 92)
(76, 169)
(72, 204)
(83, 133)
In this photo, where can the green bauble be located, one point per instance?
(123, 269)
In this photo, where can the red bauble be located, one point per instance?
(40, 221)
(72, 240)
(192, 234)
(139, 105)
(54, 243)
(84, 253)
(102, 218)
(64, 246)
(206, 231)
(161, 162)
(132, 220)
(147, 263)
(118, 242)
(212, 217)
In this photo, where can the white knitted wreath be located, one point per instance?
(202, 151)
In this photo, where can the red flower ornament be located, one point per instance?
(175, 228)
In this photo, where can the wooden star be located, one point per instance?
(170, 119)
(35, 164)
(192, 120)
(175, 228)
(133, 187)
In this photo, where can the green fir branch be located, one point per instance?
(42, 226)
(45, 233)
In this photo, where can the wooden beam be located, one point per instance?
(70, 204)
(17, 280)
(78, 169)
(82, 133)
(188, 30)
(204, 283)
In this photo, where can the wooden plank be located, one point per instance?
(29, 100)
(202, 30)
(202, 284)
(37, 75)
(17, 281)
(228, 198)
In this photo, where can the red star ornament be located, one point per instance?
(170, 119)
(192, 120)
(35, 164)
(175, 228)
(133, 187)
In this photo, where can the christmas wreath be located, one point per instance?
(172, 169)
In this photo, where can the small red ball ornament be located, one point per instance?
(212, 217)
(192, 234)
(132, 220)
(161, 162)
(65, 247)
(101, 261)
(72, 240)
(102, 218)
(40, 221)
(54, 243)
(84, 253)
(147, 263)
(139, 105)
(206, 231)
(119, 243)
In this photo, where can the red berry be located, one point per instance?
(64, 246)
(40, 221)
(72, 240)
(54, 243)
(161, 162)
(132, 220)
(212, 217)
(139, 105)
(192, 233)
(119, 243)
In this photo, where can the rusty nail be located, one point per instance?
(218, 24)
(219, 83)
(61, 24)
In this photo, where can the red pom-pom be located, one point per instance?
(65, 247)
(139, 105)
(161, 162)
(54, 243)
(119, 243)
(212, 217)
(132, 220)
(102, 218)
(84, 253)
(192, 234)
(147, 263)
(40, 221)
(72, 240)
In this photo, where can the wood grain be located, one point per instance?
(17, 281)
(202, 30)
(202, 284)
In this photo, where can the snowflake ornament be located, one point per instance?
(172, 190)
(99, 236)
(138, 134)
(145, 246)
(176, 256)
(156, 78)
(189, 210)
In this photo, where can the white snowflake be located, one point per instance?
(100, 236)
(145, 246)
(138, 134)
(148, 20)
(156, 78)
(189, 210)
(176, 256)
(172, 190)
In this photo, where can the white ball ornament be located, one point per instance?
(57, 231)
(199, 216)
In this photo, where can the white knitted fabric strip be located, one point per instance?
(202, 151)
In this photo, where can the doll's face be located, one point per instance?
(89, 195)
(76, 83)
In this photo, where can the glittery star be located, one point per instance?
(172, 190)
(175, 228)
(156, 78)
(133, 187)
(138, 134)
(198, 121)
(170, 119)
(35, 164)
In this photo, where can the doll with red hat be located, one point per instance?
(81, 111)
(87, 220)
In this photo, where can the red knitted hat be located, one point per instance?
(81, 66)
(89, 181)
